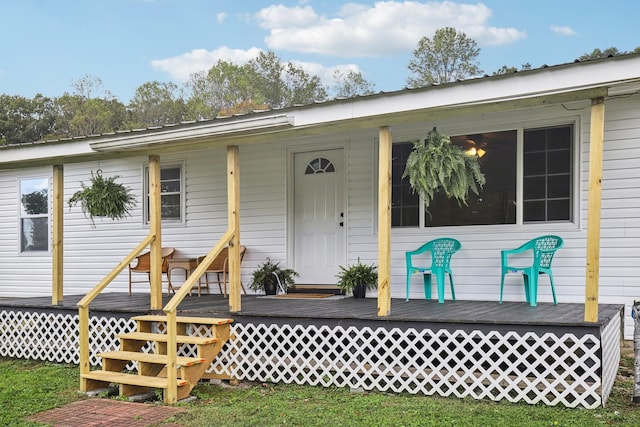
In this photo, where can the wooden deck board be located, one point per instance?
(339, 308)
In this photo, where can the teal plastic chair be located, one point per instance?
(542, 249)
(441, 251)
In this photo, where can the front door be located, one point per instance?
(318, 215)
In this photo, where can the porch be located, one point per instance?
(481, 349)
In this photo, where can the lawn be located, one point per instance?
(30, 387)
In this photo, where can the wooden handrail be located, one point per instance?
(171, 310)
(83, 306)
(88, 298)
(185, 288)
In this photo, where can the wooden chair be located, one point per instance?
(220, 267)
(541, 254)
(143, 265)
(441, 251)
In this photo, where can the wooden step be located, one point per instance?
(160, 359)
(184, 319)
(131, 379)
(180, 339)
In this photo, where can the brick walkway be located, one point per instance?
(106, 412)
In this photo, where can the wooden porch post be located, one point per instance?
(155, 228)
(593, 213)
(57, 291)
(384, 222)
(233, 212)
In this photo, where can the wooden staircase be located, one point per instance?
(152, 367)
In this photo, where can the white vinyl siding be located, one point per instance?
(90, 253)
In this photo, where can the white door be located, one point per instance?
(318, 215)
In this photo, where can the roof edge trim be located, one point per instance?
(207, 130)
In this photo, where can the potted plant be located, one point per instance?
(103, 198)
(440, 165)
(264, 277)
(357, 278)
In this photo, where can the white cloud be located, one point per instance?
(385, 28)
(564, 30)
(182, 66)
(220, 17)
(323, 72)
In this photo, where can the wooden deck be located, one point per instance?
(481, 349)
(482, 315)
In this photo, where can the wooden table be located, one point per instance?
(186, 264)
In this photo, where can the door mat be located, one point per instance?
(304, 296)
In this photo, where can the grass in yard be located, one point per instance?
(28, 387)
(291, 405)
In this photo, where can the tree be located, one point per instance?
(156, 104)
(223, 86)
(82, 114)
(508, 70)
(351, 84)
(448, 57)
(610, 51)
(265, 81)
(284, 84)
(25, 120)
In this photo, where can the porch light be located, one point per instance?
(473, 151)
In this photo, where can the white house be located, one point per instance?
(309, 187)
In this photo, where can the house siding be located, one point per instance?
(90, 253)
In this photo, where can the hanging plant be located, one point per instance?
(440, 165)
(103, 198)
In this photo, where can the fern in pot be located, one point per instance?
(357, 278)
(104, 197)
(264, 277)
(440, 165)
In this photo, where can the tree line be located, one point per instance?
(227, 88)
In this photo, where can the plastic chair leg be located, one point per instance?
(532, 280)
(553, 289)
(427, 285)
(440, 283)
(501, 286)
(453, 292)
(525, 278)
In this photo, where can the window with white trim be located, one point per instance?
(171, 193)
(547, 181)
(34, 214)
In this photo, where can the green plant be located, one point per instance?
(103, 198)
(357, 274)
(266, 272)
(440, 165)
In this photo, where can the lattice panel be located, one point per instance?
(610, 355)
(551, 369)
(535, 368)
(39, 336)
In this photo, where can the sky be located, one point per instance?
(47, 45)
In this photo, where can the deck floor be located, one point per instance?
(339, 308)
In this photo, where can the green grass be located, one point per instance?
(29, 387)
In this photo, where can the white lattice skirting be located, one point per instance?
(535, 368)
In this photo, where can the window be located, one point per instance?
(171, 197)
(547, 181)
(547, 174)
(405, 204)
(34, 215)
(319, 165)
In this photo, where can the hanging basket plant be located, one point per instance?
(440, 165)
(103, 198)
